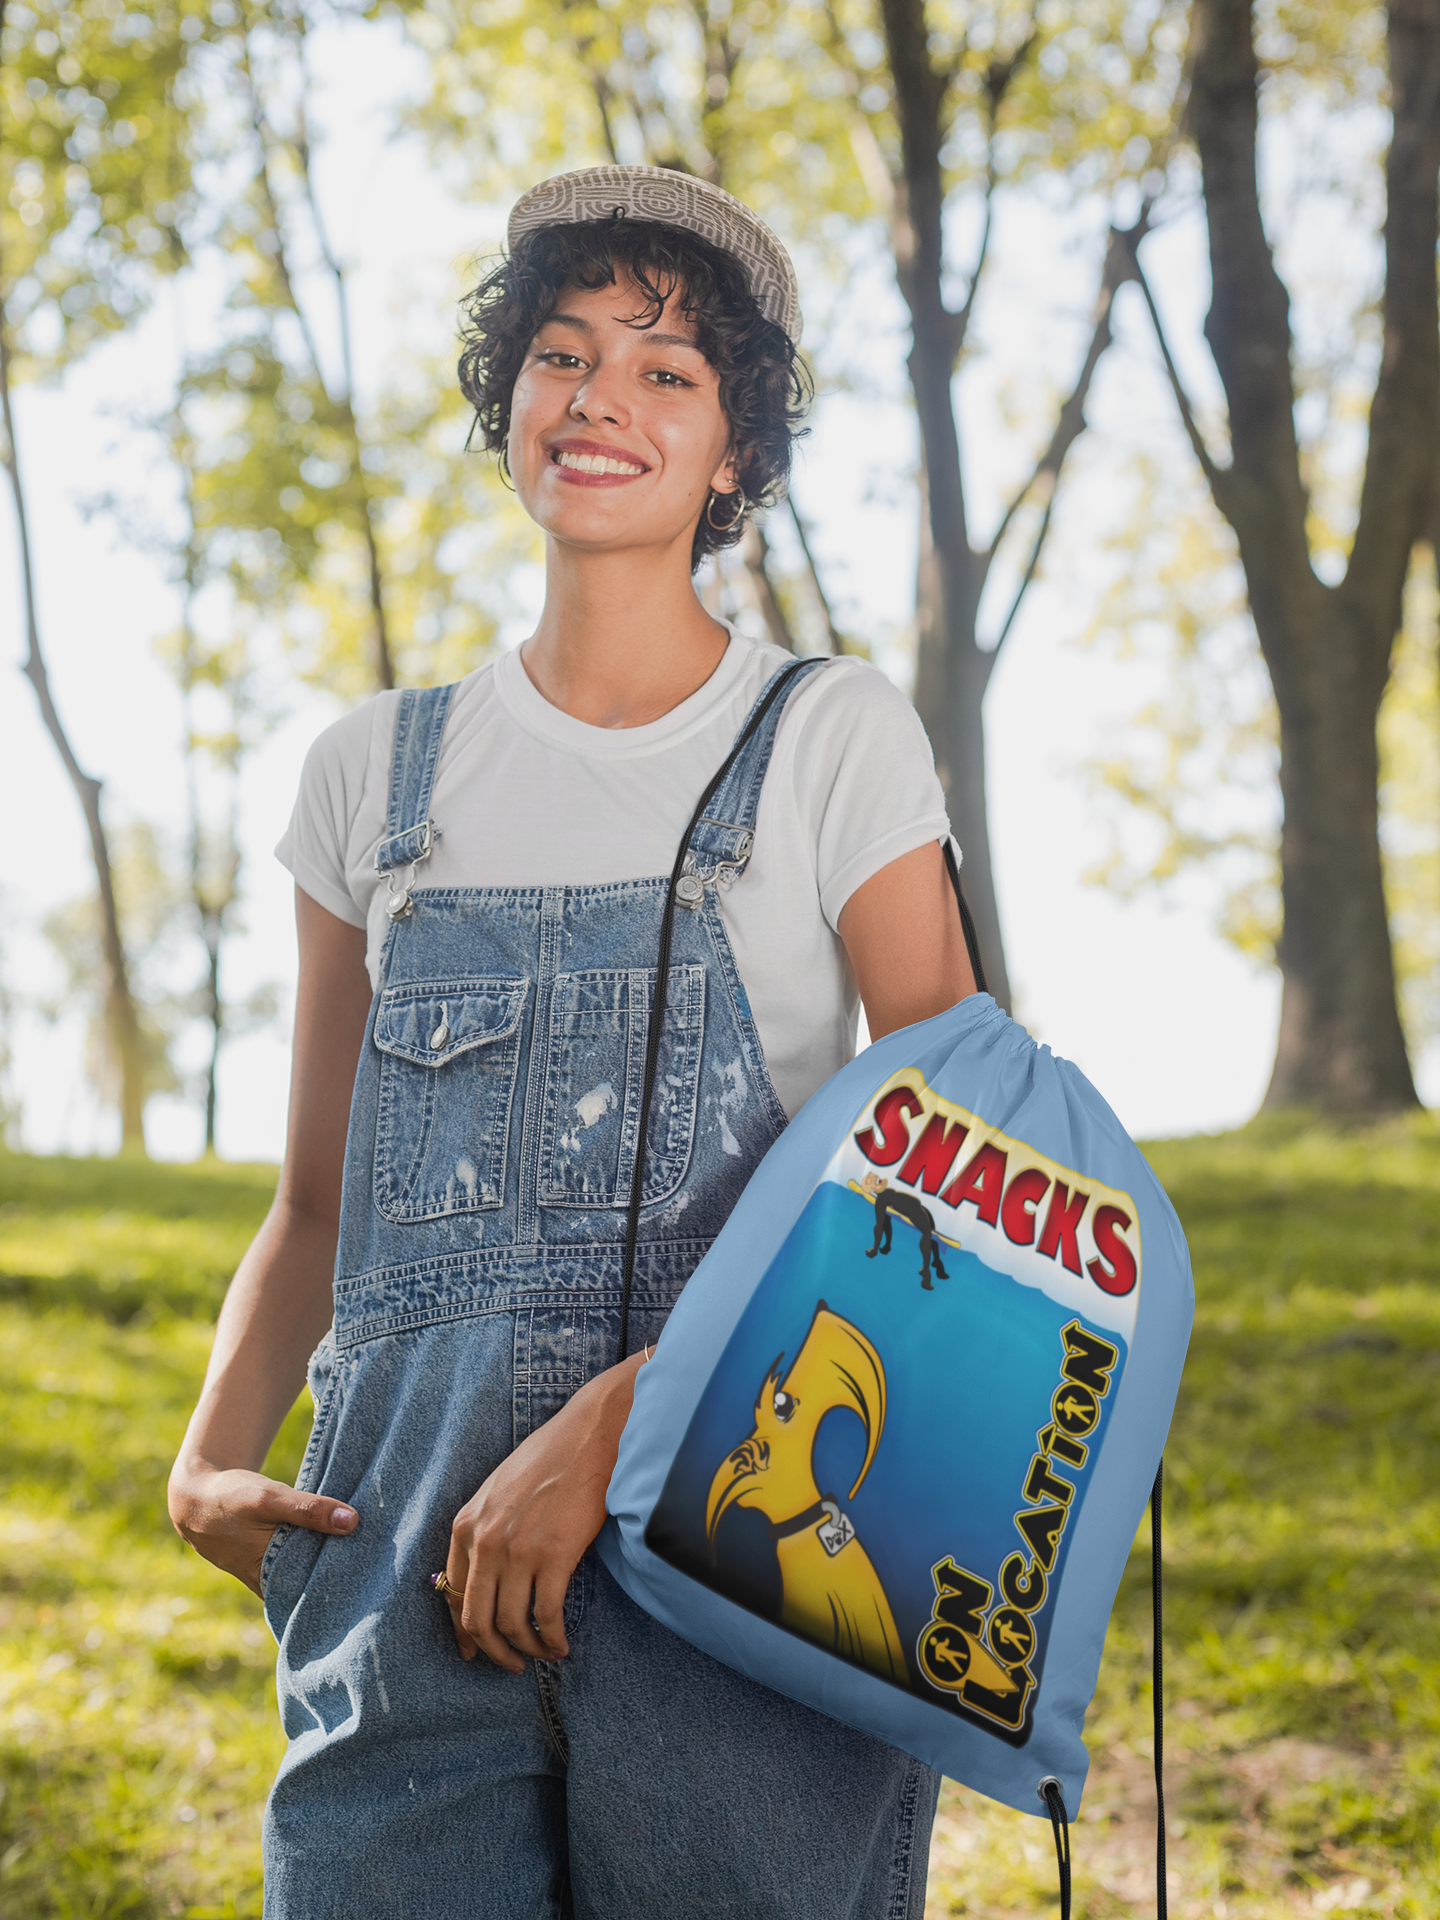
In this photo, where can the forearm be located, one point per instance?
(278, 1306)
(596, 1416)
(514, 1546)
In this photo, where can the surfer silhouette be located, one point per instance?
(909, 1207)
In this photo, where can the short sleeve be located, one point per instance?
(317, 846)
(865, 775)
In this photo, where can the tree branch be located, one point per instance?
(962, 318)
(755, 554)
(1217, 477)
(265, 139)
(837, 643)
(1401, 463)
(121, 1016)
(1248, 326)
(1031, 568)
(384, 658)
(1070, 424)
(998, 76)
(599, 83)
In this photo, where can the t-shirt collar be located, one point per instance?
(527, 705)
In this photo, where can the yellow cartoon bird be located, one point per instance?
(831, 1592)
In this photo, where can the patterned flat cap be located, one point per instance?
(657, 193)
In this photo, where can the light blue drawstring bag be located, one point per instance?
(891, 1451)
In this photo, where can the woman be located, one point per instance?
(481, 874)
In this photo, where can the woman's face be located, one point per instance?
(617, 434)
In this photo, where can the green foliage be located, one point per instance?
(281, 497)
(137, 1725)
(96, 166)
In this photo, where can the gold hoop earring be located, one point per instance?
(741, 504)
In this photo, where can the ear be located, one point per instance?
(726, 477)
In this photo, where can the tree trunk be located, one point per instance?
(122, 1022)
(950, 683)
(951, 672)
(1340, 1046)
(1327, 649)
(214, 1012)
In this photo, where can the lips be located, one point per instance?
(591, 463)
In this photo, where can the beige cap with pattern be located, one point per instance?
(680, 200)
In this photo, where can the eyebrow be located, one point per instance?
(655, 339)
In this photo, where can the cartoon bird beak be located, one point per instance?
(736, 1476)
(771, 1469)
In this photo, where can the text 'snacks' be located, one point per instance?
(891, 1453)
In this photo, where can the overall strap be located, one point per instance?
(721, 840)
(410, 833)
(687, 888)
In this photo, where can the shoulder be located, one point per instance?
(343, 751)
(848, 714)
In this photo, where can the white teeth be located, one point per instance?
(595, 463)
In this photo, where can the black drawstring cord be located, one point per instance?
(1157, 1688)
(967, 923)
(1049, 1788)
(662, 986)
(1049, 1791)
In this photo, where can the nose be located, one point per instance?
(598, 399)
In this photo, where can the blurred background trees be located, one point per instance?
(324, 526)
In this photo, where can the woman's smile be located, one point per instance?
(587, 463)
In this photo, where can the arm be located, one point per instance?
(279, 1303)
(514, 1546)
(903, 936)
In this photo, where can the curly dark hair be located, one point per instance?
(765, 387)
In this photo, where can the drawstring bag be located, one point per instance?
(891, 1451)
(890, 1454)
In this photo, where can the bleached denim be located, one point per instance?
(477, 1287)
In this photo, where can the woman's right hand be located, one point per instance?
(229, 1515)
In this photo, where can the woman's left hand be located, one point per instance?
(514, 1546)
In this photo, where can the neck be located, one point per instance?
(623, 638)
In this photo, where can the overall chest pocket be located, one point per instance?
(447, 1078)
(599, 1025)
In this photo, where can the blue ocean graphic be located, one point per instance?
(970, 1371)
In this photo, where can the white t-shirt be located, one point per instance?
(528, 796)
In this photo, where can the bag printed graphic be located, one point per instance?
(892, 1449)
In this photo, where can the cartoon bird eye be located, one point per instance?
(785, 1404)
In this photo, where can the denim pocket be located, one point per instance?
(451, 1049)
(599, 1025)
(279, 1586)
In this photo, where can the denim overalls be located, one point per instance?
(487, 1171)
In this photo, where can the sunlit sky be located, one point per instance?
(1175, 1027)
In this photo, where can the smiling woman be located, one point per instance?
(562, 1056)
(716, 341)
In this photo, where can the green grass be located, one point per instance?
(137, 1707)
(137, 1724)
